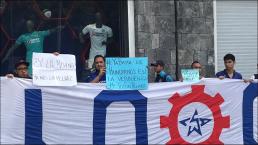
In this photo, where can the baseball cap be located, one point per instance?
(20, 63)
(158, 62)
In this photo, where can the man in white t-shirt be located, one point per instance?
(100, 37)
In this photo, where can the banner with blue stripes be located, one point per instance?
(210, 111)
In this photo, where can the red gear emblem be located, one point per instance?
(197, 95)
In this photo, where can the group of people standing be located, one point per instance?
(229, 71)
(98, 74)
(100, 36)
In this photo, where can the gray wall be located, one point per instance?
(155, 33)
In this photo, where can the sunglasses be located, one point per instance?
(22, 68)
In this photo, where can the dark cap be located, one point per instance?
(20, 63)
(158, 62)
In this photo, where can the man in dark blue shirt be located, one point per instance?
(98, 75)
(161, 75)
(229, 72)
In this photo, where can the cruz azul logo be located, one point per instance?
(195, 118)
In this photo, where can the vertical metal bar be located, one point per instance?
(176, 38)
(59, 29)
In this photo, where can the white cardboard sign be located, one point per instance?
(51, 70)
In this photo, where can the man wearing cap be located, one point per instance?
(161, 75)
(21, 70)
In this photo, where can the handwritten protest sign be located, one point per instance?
(127, 73)
(190, 75)
(51, 70)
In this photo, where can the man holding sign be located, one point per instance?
(195, 68)
(196, 65)
(21, 70)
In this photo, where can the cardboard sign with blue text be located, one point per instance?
(127, 73)
(190, 75)
(51, 70)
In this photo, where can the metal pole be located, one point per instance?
(59, 29)
(176, 39)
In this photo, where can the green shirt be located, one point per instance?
(34, 43)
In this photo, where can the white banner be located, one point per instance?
(51, 70)
(209, 111)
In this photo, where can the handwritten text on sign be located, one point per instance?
(51, 70)
(127, 73)
(190, 75)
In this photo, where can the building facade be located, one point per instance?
(155, 33)
(175, 31)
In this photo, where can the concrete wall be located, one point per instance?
(155, 33)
